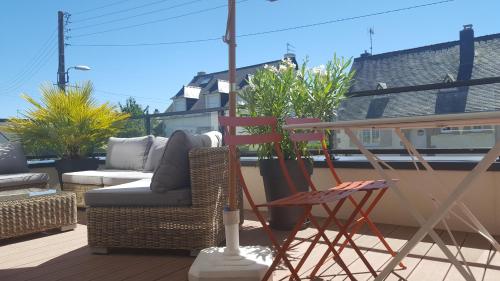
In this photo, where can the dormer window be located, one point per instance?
(381, 86)
(448, 78)
(222, 86)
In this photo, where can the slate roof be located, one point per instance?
(424, 65)
(209, 82)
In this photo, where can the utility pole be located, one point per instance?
(61, 70)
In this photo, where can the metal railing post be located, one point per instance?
(147, 125)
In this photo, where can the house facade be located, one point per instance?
(466, 59)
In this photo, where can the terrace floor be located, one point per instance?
(65, 256)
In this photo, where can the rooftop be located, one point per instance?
(464, 59)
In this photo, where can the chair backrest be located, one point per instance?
(307, 136)
(272, 138)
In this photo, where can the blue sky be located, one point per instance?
(153, 74)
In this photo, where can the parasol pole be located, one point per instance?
(231, 262)
(231, 213)
(231, 41)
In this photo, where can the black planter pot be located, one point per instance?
(276, 187)
(75, 165)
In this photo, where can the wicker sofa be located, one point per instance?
(14, 171)
(127, 160)
(188, 225)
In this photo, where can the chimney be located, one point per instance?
(466, 53)
(365, 54)
(200, 73)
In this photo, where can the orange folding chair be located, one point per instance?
(380, 186)
(298, 199)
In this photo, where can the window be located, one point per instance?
(179, 104)
(447, 130)
(213, 100)
(481, 129)
(370, 136)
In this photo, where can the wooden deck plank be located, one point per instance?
(435, 265)
(492, 272)
(476, 251)
(365, 242)
(415, 256)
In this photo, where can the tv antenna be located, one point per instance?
(371, 31)
(290, 48)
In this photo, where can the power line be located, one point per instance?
(150, 44)
(154, 21)
(33, 71)
(122, 11)
(268, 31)
(344, 19)
(137, 15)
(31, 62)
(100, 7)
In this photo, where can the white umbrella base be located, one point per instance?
(250, 264)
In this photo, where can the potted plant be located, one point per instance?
(69, 123)
(283, 92)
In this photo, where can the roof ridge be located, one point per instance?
(238, 68)
(431, 47)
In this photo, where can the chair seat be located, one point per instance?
(334, 194)
(362, 185)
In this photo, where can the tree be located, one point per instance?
(135, 126)
(132, 107)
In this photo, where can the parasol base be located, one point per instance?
(250, 264)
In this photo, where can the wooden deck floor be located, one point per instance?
(65, 256)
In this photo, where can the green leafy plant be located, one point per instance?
(70, 122)
(134, 126)
(287, 91)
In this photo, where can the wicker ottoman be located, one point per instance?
(30, 214)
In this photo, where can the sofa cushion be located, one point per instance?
(173, 170)
(119, 177)
(128, 153)
(22, 179)
(12, 159)
(84, 177)
(105, 177)
(155, 153)
(215, 138)
(136, 193)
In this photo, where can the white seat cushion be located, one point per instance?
(119, 177)
(136, 193)
(106, 177)
(84, 177)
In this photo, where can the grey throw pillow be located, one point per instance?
(173, 170)
(128, 153)
(155, 153)
(12, 159)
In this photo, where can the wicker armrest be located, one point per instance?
(209, 177)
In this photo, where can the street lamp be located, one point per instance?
(77, 67)
(62, 84)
